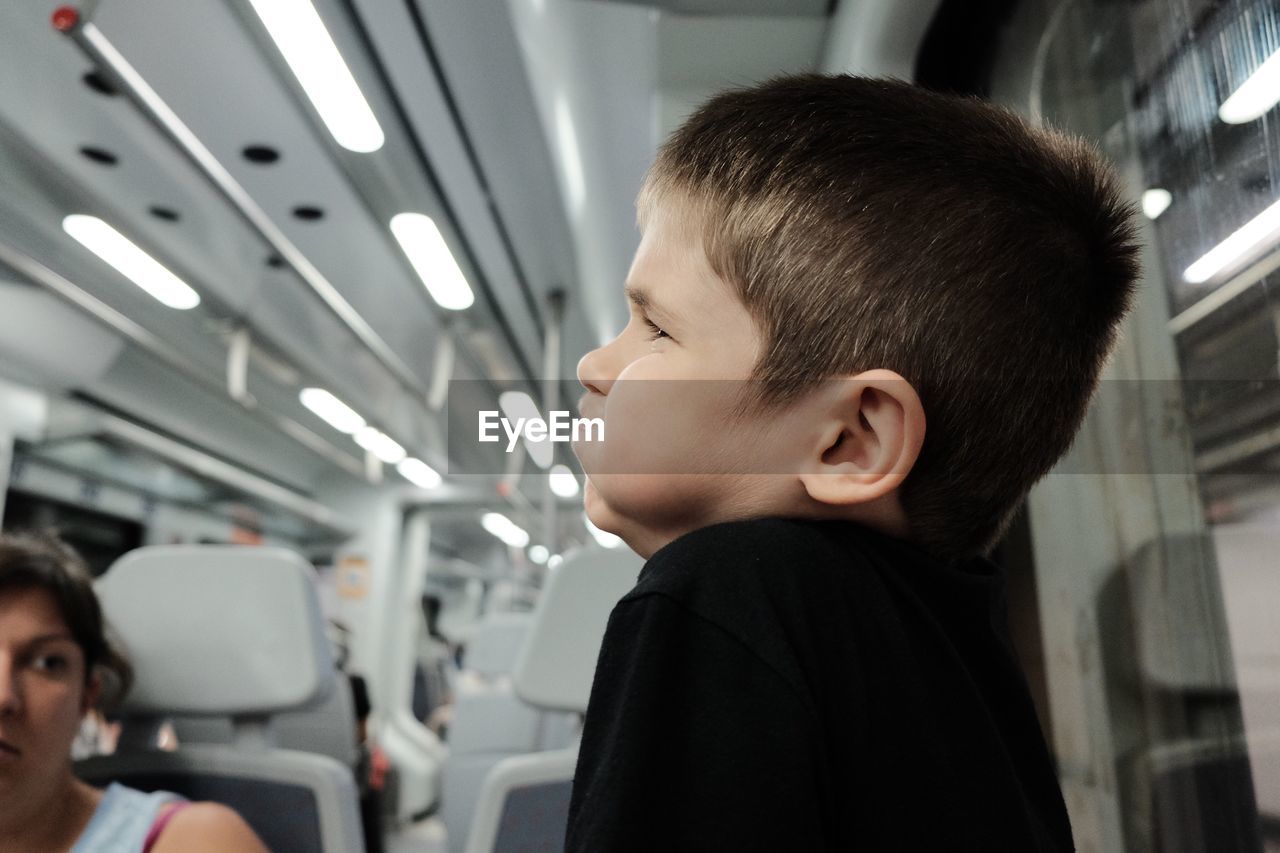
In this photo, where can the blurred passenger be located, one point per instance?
(55, 662)
(371, 770)
(420, 700)
(340, 636)
(435, 666)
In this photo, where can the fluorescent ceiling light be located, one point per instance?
(505, 529)
(563, 483)
(539, 553)
(606, 539)
(130, 261)
(422, 244)
(1156, 201)
(311, 54)
(380, 445)
(331, 410)
(1256, 95)
(1257, 234)
(419, 473)
(516, 405)
(554, 560)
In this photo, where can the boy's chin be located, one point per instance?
(599, 512)
(609, 520)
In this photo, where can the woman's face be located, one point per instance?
(43, 696)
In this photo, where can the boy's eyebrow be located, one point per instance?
(640, 298)
(637, 296)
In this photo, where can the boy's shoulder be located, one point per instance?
(792, 592)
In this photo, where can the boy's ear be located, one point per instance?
(872, 429)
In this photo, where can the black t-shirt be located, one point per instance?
(793, 685)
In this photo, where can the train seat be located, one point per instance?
(523, 802)
(326, 727)
(495, 644)
(233, 632)
(1200, 605)
(488, 717)
(490, 722)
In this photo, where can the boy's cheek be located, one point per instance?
(660, 427)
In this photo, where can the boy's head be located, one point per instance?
(846, 257)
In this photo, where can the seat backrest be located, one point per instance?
(495, 645)
(328, 728)
(231, 632)
(558, 661)
(523, 804)
(491, 718)
(489, 722)
(218, 630)
(1179, 619)
(296, 802)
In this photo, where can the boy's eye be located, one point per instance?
(654, 332)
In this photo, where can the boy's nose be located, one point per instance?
(593, 373)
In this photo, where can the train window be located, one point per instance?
(1155, 545)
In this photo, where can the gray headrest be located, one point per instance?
(1175, 604)
(495, 644)
(558, 660)
(1250, 588)
(214, 629)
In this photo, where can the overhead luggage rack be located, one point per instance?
(109, 449)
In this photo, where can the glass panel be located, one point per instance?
(1160, 588)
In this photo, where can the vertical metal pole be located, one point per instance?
(441, 373)
(6, 466)
(410, 745)
(550, 403)
(403, 638)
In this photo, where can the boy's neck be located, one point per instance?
(884, 515)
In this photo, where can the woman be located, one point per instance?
(53, 658)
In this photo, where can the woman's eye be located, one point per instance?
(51, 663)
(654, 332)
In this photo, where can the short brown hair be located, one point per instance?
(869, 223)
(42, 561)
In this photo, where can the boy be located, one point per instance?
(816, 655)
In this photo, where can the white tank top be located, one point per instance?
(122, 820)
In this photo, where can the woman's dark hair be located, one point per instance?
(41, 561)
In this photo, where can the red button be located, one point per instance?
(65, 18)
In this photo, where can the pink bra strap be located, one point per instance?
(158, 827)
